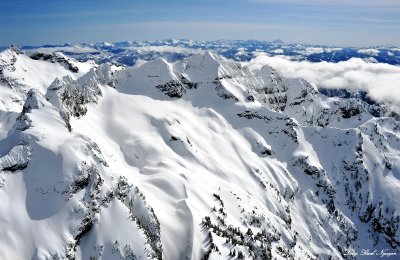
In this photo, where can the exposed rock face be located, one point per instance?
(55, 58)
(176, 88)
(71, 96)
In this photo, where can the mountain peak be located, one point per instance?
(8, 56)
(278, 42)
(34, 100)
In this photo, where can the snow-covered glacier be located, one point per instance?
(197, 158)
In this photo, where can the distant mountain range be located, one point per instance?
(129, 52)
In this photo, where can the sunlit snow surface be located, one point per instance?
(196, 157)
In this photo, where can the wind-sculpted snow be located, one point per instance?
(202, 158)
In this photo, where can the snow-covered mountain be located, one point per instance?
(200, 158)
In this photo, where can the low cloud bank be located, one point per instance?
(166, 48)
(380, 81)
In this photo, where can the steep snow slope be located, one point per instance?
(204, 157)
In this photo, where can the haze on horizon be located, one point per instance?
(340, 23)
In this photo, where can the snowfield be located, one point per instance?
(200, 158)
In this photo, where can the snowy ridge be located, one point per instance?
(204, 157)
(77, 193)
(20, 73)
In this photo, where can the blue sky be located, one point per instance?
(340, 22)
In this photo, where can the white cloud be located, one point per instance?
(313, 50)
(240, 51)
(372, 52)
(71, 49)
(277, 51)
(166, 48)
(381, 81)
